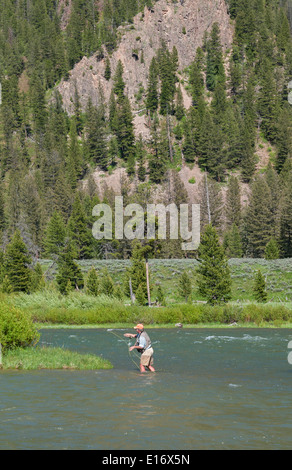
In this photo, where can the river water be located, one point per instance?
(213, 389)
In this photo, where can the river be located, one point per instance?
(213, 389)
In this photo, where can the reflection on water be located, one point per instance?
(214, 389)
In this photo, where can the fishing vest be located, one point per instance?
(148, 341)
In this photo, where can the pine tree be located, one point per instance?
(285, 239)
(79, 232)
(107, 72)
(37, 99)
(119, 84)
(167, 72)
(55, 235)
(185, 286)
(197, 77)
(92, 282)
(107, 284)
(137, 272)
(210, 146)
(248, 131)
(214, 280)
(96, 136)
(268, 102)
(189, 150)
(236, 72)
(283, 138)
(37, 278)
(215, 68)
(233, 243)
(233, 202)
(160, 296)
(259, 287)
(125, 133)
(74, 159)
(272, 250)
(179, 111)
(152, 99)
(283, 30)
(258, 217)
(140, 157)
(140, 295)
(274, 183)
(245, 27)
(69, 273)
(160, 153)
(211, 202)
(16, 262)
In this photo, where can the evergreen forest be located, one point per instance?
(240, 105)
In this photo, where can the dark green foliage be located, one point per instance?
(54, 239)
(215, 73)
(69, 274)
(136, 274)
(214, 281)
(160, 296)
(197, 77)
(283, 138)
(16, 329)
(16, 262)
(79, 231)
(185, 286)
(92, 283)
(259, 218)
(96, 140)
(286, 216)
(167, 65)
(260, 287)
(268, 102)
(37, 278)
(107, 72)
(160, 153)
(233, 202)
(233, 243)
(107, 284)
(239, 107)
(272, 250)
(119, 84)
(152, 99)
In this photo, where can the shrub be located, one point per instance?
(16, 328)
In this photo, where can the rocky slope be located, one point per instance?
(182, 24)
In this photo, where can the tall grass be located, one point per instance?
(87, 310)
(52, 358)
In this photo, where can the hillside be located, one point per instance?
(182, 25)
(166, 101)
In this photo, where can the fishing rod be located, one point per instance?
(121, 338)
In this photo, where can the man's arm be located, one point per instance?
(135, 347)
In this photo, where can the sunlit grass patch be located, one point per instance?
(52, 358)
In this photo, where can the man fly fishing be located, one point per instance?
(143, 346)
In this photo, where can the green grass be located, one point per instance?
(278, 274)
(52, 358)
(49, 307)
(129, 326)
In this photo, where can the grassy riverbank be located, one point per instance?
(129, 326)
(79, 309)
(52, 358)
(50, 308)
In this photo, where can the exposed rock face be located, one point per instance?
(182, 24)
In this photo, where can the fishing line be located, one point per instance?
(122, 339)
